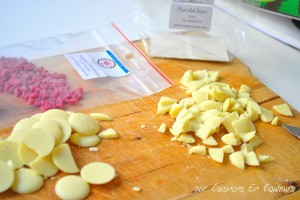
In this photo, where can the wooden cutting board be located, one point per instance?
(163, 169)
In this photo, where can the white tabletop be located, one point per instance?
(274, 63)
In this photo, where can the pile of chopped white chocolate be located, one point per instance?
(212, 105)
(37, 148)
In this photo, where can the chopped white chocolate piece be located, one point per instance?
(251, 159)
(216, 154)
(255, 141)
(264, 158)
(165, 104)
(247, 136)
(143, 126)
(231, 139)
(227, 122)
(162, 128)
(93, 149)
(137, 189)
(228, 148)
(98, 173)
(108, 134)
(7, 176)
(237, 159)
(72, 187)
(283, 109)
(186, 138)
(245, 89)
(199, 149)
(246, 148)
(275, 121)
(100, 116)
(26, 181)
(266, 115)
(210, 141)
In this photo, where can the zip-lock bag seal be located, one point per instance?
(65, 72)
(210, 30)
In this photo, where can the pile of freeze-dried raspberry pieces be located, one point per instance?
(36, 85)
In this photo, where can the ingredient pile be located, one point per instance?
(218, 115)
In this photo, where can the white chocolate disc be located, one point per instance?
(84, 124)
(7, 176)
(98, 173)
(27, 181)
(72, 187)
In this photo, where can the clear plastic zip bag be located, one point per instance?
(115, 68)
(210, 30)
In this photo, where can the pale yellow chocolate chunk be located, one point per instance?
(44, 166)
(100, 116)
(38, 140)
(231, 139)
(210, 141)
(84, 124)
(84, 140)
(27, 181)
(25, 123)
(165, 104)
(26, 154)
(275, 121)
(247, 136)
(52, 127)
(251, 159)
(228, 148)
(245, 89)
(108, 134)
(63, 159)
(199, 149)
(72, 187)
(55, 113)
(237, 159)
(8, 151)
(255, 141)
(264, 158)
(186, 138)
(283, 109)
(98, 173)
(246, 148)
(266, 115)
(7, 176)
(162, 128)
(217, 154)
(66, 128)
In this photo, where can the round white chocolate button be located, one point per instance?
(84, 124)
(72, 187)
(27, 181)
(98, 173)
(7, 176)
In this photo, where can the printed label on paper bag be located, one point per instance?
(96, 65)
(195, 1)
(190, 17)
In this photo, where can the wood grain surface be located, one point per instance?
(163, 169)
